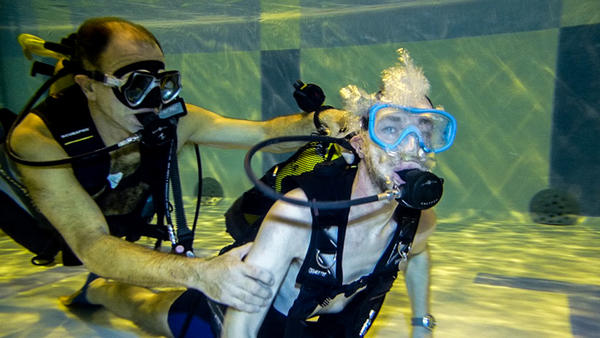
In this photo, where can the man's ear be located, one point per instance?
(358, 144)
(87, 86)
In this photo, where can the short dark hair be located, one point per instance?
(94, 34)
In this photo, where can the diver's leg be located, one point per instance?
(146, 308)
(23, 228)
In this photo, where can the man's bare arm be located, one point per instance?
(202, 126)
(283, 236)
(417, 270)
(59, 196)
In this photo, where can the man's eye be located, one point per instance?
(425, 124)
(389, 130)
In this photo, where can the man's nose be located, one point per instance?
(410, 144)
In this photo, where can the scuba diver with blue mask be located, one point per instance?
(97, 158)
(368, 212)
(333, 264)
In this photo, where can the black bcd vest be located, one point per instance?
(68, 119)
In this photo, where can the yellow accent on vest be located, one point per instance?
(306, 162)
(78, 140)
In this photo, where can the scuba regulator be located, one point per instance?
(422, 189)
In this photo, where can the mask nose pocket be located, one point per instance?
(153, 99)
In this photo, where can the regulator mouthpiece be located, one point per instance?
(156, 132)
(160, 129)
(422, 190)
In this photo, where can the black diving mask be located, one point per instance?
(143, 84)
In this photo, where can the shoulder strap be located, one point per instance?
(68, 118)
(358, 316)
(407, 220)
(321, 272)
(330, 181)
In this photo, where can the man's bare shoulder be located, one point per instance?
(32, 140)
(201, 113)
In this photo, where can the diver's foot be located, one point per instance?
(79, 298)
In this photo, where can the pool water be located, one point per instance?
(489, 279)
(522, 79)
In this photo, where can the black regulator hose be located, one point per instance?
(269, 192)
(199, 195)
(422, 189)
(132, 139)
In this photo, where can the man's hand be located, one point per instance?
(228, 280)
(339, 122)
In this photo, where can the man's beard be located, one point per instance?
(378, 178)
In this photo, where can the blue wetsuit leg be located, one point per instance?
(191, 316)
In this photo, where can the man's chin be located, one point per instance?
(133, 127)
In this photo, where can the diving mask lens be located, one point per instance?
(137, 87)
(390, 125)
(170, 86)
(140, 84)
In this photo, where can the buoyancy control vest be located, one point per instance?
(245, 215)
(320, 276)
(68, 119)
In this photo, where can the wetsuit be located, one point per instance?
(192, 314)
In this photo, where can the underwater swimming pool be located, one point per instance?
(521, 78)
(489, 279)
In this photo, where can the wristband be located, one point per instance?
(427, 321)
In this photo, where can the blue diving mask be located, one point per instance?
(390, 125)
